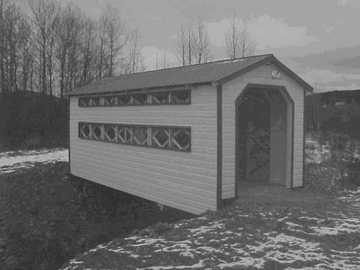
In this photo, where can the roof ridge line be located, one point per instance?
(192, 65)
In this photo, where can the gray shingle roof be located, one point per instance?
(184, 75)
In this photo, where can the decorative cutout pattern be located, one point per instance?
(163, 137)
(174, 97)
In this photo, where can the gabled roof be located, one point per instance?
(211, 72)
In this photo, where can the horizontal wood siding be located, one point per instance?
(231, 90)
(184, 180)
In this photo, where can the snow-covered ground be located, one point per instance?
(15, 160)
(257, 238)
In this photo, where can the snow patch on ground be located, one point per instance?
(15, 160)
(169, 267)
(253, 239)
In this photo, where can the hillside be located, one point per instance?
(47, 217)
(30, 120)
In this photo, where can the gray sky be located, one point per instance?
(297, 27)
(287, 28)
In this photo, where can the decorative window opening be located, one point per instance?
(124, 100)
(109, 100)
(181, 139)
(96, 131)
(160, 98)
(125, 134)
(163, 137)
(94, 101)
(84, 101)
(139, 99)
(140, 135)
(173, 97)
(84, 131)
(110, 133)
(181, 97)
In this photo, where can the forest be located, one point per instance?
(52, 47)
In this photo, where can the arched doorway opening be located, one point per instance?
(264, 136)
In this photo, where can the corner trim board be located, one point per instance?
(219, 147)
(68, 131)
(304, 141)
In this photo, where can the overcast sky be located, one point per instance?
(295, 27)
(287, 28)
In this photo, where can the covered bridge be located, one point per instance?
(187, 137)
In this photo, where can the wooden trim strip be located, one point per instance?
(304, 141)
(68, 131)
(219, 147)
(141, 90)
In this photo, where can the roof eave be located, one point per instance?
(146, 89)
(296, 77)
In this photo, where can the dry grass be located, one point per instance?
(46, 217)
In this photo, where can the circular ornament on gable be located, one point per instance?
(275, 74)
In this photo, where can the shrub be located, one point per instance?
(322, 178)
(339, 170)
(354, 172)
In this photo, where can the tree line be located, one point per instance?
(54, 47)
(193, 42)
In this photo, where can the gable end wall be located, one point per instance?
(231, 90)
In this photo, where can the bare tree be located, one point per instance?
(14, 41)
(44, 14)
(26, 53)
(63, 42)
(190, 44)
(12, 35)
(2, 46)
(202, 45)
(182, 45)
(50, 54)
(87, 50)
(186, 44)
(113, 37)
(56, 47)
(116, 36)
(248, 46)
(237, 40)
(135, 58)
(73, 63)
(100, 63)
(165, 63)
